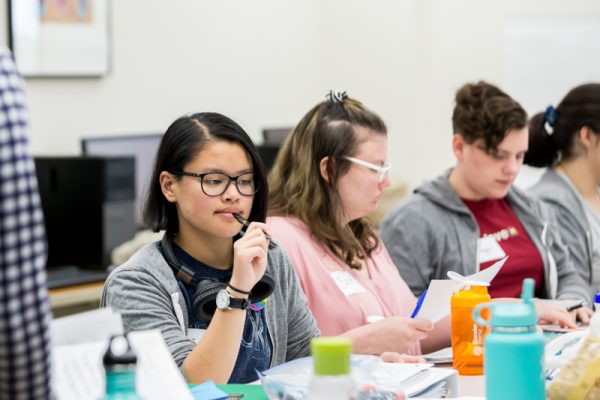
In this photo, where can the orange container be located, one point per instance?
(467, 336)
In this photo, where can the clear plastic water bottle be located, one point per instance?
(119, 363)
(514, 349)
(595, 320)
(331, 378)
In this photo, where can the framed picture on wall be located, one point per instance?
(60, 38)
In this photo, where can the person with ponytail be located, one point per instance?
(471, 216)
(566, 139)
(328, 176)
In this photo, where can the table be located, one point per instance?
(73, 299)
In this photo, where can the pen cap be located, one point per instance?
(331, 355)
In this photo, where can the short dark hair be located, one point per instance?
(483, 111)
(579, 108)
(182, 141)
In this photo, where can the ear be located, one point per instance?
(323, 168)
(587, 137)
(167, 182)
(458, 146)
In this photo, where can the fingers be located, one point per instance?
(250, 256)
(259, 227)
(417, 329)
(424, 325)
(393, 357)
(549, 314)
(413, 359)
(583, 314)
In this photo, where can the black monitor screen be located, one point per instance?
(142, 147)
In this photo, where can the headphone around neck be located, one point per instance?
(204, 301)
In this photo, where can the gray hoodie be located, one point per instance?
(144, 290)
(433, 232)
(555, 191)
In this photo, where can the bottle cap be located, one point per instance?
(119, 352)
(331, 355)
(520, 314)
(464, 282)
(597, 298)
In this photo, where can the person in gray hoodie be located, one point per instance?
(227, 302)
(567, 139)
(447, 224)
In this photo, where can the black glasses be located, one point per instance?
(216, 183)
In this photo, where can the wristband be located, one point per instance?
(238, 290)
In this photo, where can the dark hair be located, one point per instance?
(182, 141)
(579, 108)
(483, 111)
(297, 189)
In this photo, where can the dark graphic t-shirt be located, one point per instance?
(256, 347)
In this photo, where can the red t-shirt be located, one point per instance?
(496, 218)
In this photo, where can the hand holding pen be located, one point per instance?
(239, 218)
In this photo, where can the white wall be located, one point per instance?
(266, 62)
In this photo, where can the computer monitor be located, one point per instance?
(142, 147)
(275, 136)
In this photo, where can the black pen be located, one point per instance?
(575, 306)
(239, 218)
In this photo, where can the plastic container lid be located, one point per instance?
(470, 297)
(520, 314)
(331, 355)
(119, 352)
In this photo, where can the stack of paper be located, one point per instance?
(292, 378)
(79, 342)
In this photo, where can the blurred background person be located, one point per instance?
(24, 307)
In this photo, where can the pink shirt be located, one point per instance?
(339, 297)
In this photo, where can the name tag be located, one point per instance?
(488, 249)
(195, 334)
(346, 283)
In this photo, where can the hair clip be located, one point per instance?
(336, 96)
(550, 117)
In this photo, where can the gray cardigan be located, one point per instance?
(433, 232)
(553, 190)
(144, 288)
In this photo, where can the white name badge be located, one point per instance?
(488, 249)
(195, 334)
(346, 283)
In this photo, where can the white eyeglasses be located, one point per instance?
(383, 171)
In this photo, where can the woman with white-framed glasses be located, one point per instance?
(328, 176)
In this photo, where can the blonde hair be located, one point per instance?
(297, 189)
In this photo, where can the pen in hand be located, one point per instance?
(419, 304)
(575, 306)
(239, 218)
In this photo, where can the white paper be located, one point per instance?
(488, 249)
(441, 356)
(436, 304)
(78, 372)
(79, 342)
(86, 327)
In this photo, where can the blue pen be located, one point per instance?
(419, 304)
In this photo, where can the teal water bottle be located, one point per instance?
(119, 363)
(513, 350)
